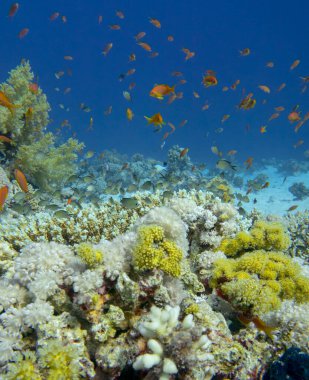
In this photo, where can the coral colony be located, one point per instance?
(149, 273)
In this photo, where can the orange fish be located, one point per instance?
(130, 72)
(209, 80)
(281, 87)
(294, 116)
(68, 58)
(266, 184)
(279, 109)
(298, 125)
(171, 98)
(249, 162)
(161, 90)
(23, 33)
(120, 14)
(129, 114)
(21, 180)
(132, 57)
(274, 116)
(232, 152)
(4, 191)
(177, 74)
(189, 54)
(172, 126)
(114, 27)
(140, 35)
(154, 54)
(54, 16)
(156, 120)
(34, 88)
(183, 152)
(224, 118)
(155, 22)
(13, 9)
(132, 85)
(295, 64)
(183, 123)
(107, 48)
(145, 46)
(225, 88)
(259, 324)
(69, 201)
(165, 136)
(270, 64)
(170, 38)
(100, 19)
(263, 129)
(247, 103)
(245, 51)
(5, 102)
(299, 143)
(5, 139)
(264, 88)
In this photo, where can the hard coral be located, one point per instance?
(263, 235)
(258, 281)
(154, 251)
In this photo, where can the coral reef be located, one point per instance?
(298, 228)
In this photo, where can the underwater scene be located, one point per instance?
(154, 190)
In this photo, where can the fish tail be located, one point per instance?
(148, 119)
(173, 89)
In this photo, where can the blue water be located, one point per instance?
(274, 31)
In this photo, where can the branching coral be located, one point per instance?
(263, 235)
(154, 251)
(258, 281)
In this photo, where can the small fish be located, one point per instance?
(34, 88)
(196, 95)
(13, 9)
(129, 114)
(132, 57)
(59, 74)
(4, 192)
(120, 14)
(89, 154)
(172, 126)
(54, 16)
(259, 324)
(108, 111)
(127, 95)
(264, 88)
(145, 46)
(266, 184)
(21, 180)
(177, 74)
(232, 152)
(183, 152)
(219, 130)
(183, 123)
(279, 109)
(294, 116)
(244, 52)
(90, 123)
(225, 164)
(205, 107)
(224, 118)
(209, 80)
(299, 143)
(263, 129)
(249, 162)
(247, 103)
(154, 54)
(129, 203)
(68, 58)
(298, 125)
(130, 72)
(170, 38)
(107, 48)
(274, 116)
(295, 64)
(100, 19)
(84, 108)
(148, 186)
(5, 102)
(188, 54)
(270, 64)
(115, 27)
(132, 85)
(155, 22)
(61, 214)
(5, 139)
(23, 33)
(139, 36)
(225, 88)
(216, 151)
(156, 120)
(292, 208)
(64, 19)
(161, 90)
(281, 87)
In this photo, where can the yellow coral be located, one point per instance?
(89, 255)
(24, 369)
(258, 281)
(154, 251)
(192, 309)
(263, 235)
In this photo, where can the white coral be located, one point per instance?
(37, 313)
